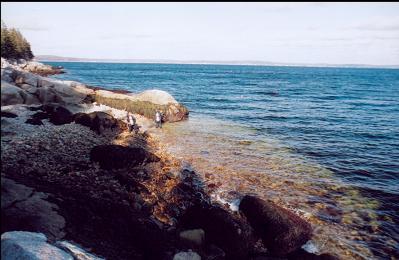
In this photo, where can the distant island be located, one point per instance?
(54, 58)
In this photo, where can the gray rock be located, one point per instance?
(6, 75)
(194, 236)
(49, 95)
(187, 256)
(27, 78)
(11, 192)
(20, 245)
(10, 94)
(42, 82)
(28, 88)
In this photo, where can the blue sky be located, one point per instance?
(336, 33)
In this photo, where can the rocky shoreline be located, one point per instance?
(71, 171)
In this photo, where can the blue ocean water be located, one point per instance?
(346, 119)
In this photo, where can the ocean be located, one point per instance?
(321, 141)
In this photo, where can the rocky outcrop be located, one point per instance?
(145, 103)
(29, 88)
(281, 230)
(41, 69)
(117, 156)
(34, 246)
(11, 95)
(22, 208)
(31, 66)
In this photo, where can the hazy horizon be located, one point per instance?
(306, 33)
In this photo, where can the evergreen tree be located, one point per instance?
(14, 45)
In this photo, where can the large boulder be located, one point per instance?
(117, 156)
(99, 121)
(28, 245)
(156, 96)
(281, 230)
(223, 229)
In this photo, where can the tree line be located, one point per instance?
(14, 45)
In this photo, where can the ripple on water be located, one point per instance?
(345, 222)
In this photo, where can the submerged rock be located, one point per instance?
(117, 156)
(281, 230)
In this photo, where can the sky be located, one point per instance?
(330, 33)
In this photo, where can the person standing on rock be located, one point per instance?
(158, 119)
(131, 121)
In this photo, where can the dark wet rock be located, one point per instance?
(40, 115)
(227, 231)
(24, 209)
(193, 236)
(34, 121)
(60, 116)
(214, 253)
(117, 156)
(99, 121)
(8, 114)
(301, 254)
(281, 230)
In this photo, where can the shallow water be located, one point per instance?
(321, 141)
